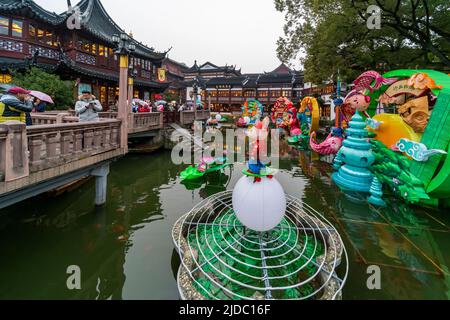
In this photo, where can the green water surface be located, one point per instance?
(125, 250)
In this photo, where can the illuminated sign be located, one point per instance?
(402, 87)
(161, 75)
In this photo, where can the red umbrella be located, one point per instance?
(42, 96)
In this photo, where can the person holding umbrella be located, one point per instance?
(39, 105)
(15, 105)
(41, 100)
(87, 107)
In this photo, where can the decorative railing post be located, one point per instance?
(60, 117)
(78, 142)
(15, 157)
(66, 140)
(52, 141)
(131, 120)
(106, 137)
(35, 145)
(98, 139)
(3, 136)
(88, 139)
(115, 138)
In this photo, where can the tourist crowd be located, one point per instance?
(18, 104)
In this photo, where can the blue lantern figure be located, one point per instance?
(354, 158)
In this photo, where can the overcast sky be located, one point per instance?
(233, 32)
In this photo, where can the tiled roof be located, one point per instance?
(211, 67)
(97, 21)
(94, 19)
(7, 64)
(67, 63)
(30, 9)
(237, 81)
(255, 80)
(282, 69)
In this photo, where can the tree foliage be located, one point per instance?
(51, 84)
(169, 97)
(327, 35)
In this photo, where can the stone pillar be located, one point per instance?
(88, 140)
(78, 142)
(98, 135)
(60, 117)
(130, 93)
(66, 140)
(123, 106)
(3, 136)
(101, 183)
(53, 141)
(15, 155)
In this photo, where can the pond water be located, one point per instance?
(125, 250)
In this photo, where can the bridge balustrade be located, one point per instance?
(53, 145)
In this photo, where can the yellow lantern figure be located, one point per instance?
(310, 111)
(162, 75)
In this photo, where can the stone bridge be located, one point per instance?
(58, 149)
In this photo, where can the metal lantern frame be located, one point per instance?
(301, 222)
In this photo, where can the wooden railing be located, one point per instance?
(53, 145)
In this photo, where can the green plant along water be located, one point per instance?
(125, 249)
(243, 263)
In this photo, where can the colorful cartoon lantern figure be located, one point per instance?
(280, 115)
(259, 200)
(346, 114)
(358, 101)
(293, 123)
(355, 158)
(252, 111)
(309, 114)
(331, 145)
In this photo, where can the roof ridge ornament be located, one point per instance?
(74, 18)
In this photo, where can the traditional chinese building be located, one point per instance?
(175, 74)
(80, 50)
(229, 93)
(209, 70)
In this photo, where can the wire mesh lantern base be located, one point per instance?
(223, 260)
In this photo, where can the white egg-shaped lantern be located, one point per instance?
(218, 117)
(247, 120)
(260, 206)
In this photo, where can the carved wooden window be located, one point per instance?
(101, 50)
(17, 28)
(32, 32)
(40, 35)
(4, 26)
(49, 38)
